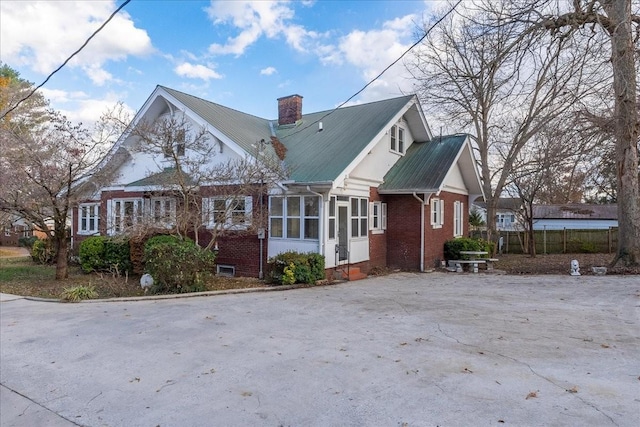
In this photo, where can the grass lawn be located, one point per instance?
(21, 276)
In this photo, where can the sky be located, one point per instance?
(241, 54)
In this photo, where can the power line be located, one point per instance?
(381, 73)
(67, 60)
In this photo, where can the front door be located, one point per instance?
(343, 231)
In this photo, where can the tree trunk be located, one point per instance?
(62, 256)
(626, 131)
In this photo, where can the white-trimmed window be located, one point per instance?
(125, 214)
(294, 217)
(437, 213)
(174, 143)
(397, 135)
(458, 217)
(163, 211)
(377, 217)
(233, 213)
(88, 218)
(359, 217)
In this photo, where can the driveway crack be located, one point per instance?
(41, 406)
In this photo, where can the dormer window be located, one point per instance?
(174, 144)
(397, 139)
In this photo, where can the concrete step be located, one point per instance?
(353, 273)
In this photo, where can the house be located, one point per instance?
(13, 229)
(366, 186)
(507, 213)
(575, 216)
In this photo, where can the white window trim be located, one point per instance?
(377, 214)
(394, 135)
(301, 217)
(458, 219)
(111, 214)
(437, 213)
(93, 210)
(359, 216)
(166, 220)
(208, 217)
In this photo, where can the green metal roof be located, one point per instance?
(315, 156)
(424, 166)
(167, 177)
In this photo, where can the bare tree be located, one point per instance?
(614, 20)
(41, 169)
(212, 195)
(477, 73)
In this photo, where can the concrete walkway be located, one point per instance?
(401, 350)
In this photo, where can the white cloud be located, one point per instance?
(41, 35)
(198, 71)
(256, 19)
(79, 107)
(268, 71)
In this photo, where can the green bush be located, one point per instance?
(305, 268)
(177, 265)
(453, 247)
(43, 252)
(27, 242)
(101, 253)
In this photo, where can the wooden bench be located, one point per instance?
(473, 263)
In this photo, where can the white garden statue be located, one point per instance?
(575, 268)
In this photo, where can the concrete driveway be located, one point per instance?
(401, 350)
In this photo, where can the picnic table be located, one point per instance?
(473, 259)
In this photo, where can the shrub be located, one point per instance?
(453, 247)
(43, 251)
(78, 293)
(305, 268)
(27, 242)
(177, 265)
(100, 253)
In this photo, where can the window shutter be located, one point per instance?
(205, 211)
(248, 210)
(384, 216)
(441, 211)
(370, 215)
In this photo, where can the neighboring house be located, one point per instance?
(577, 216)
(13, 230)
(507, 213)
(368, 185)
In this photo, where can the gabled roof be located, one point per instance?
(513, 204)
(574, 211)
(244, 129)
(320, 156)
(424, 166)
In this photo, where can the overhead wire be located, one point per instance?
(30, 94)
(381, 73)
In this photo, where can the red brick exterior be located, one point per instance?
(403, 230)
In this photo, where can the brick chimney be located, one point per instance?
(289, 109)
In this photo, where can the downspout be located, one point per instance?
(422, 205)
(322, 215)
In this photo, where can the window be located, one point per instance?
(332, 217)
(378, 217)
(294, 217)
(88, 218)
(359, 218)
(458, 219)
(397, 139)
(437, 213)
(394, 130)
(125, 213)
(7, 231)
(163, 211)
(227, 212)
(174, 142)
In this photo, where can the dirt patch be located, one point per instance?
(558, 264)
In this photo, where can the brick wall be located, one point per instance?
(403, 231)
